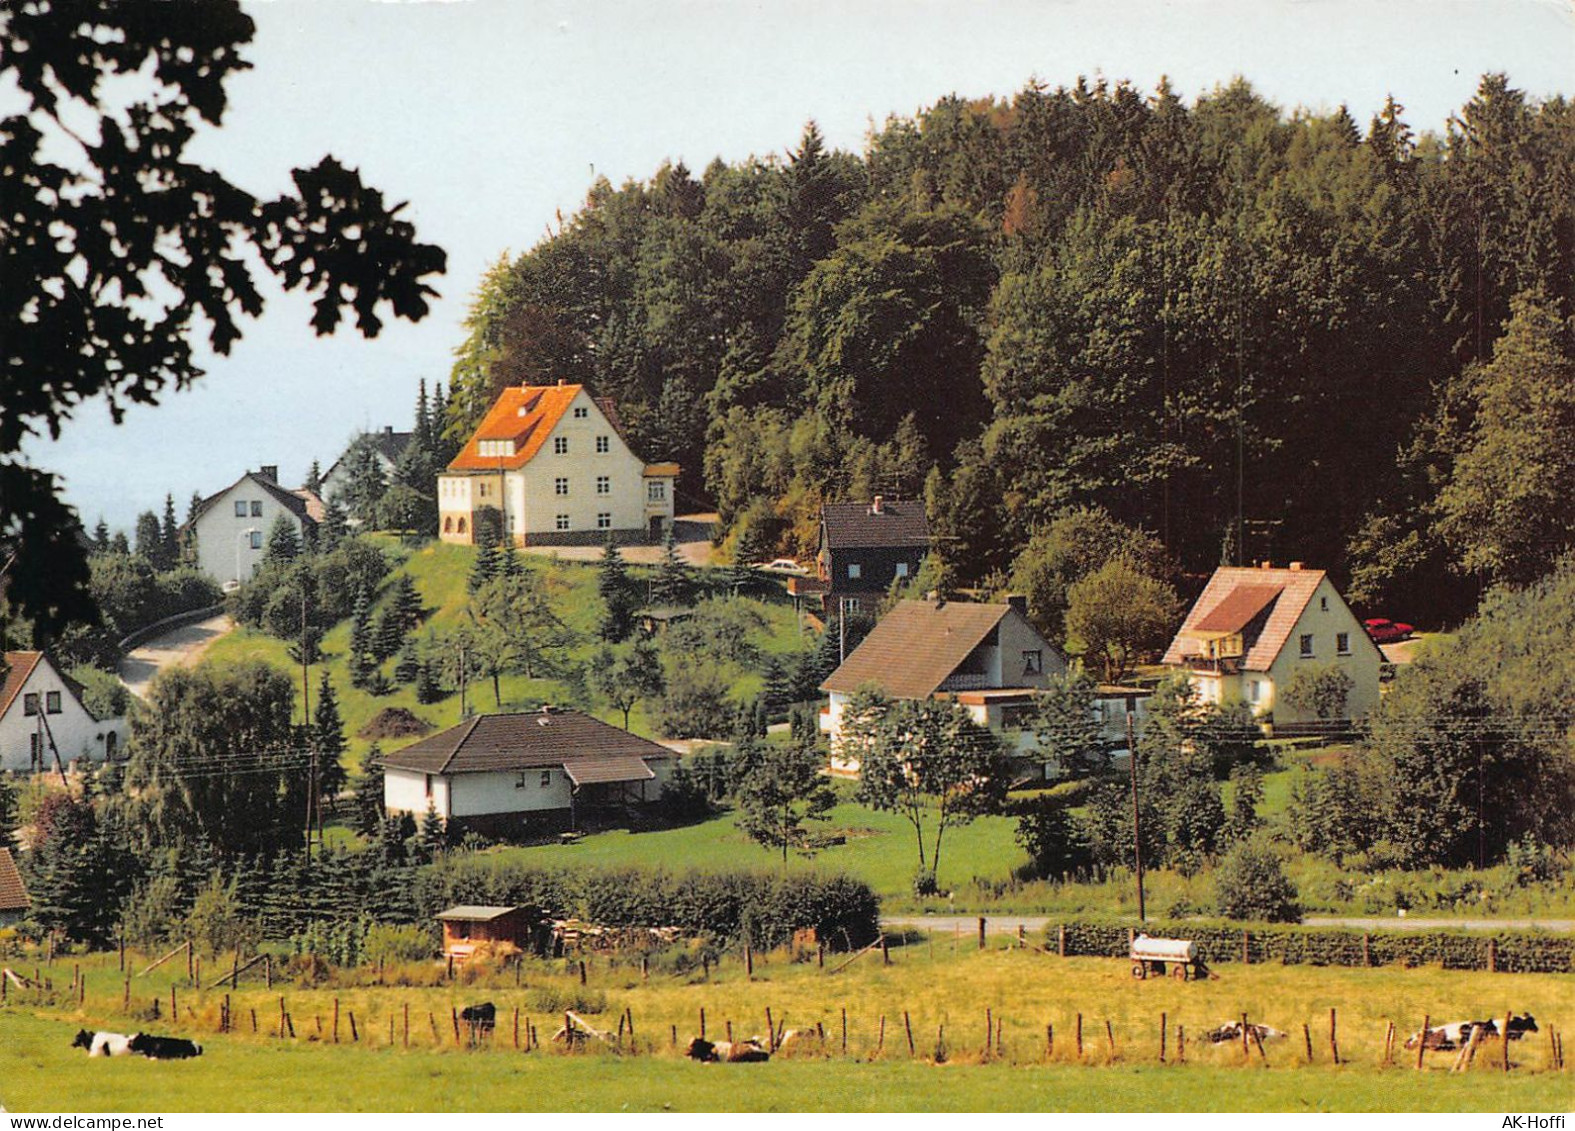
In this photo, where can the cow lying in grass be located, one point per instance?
(1231, 1031)
(733, 1052)
(1457, 1034)
(163, 1048)
(103, 1043)
(800, 1042)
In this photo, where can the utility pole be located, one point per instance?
(312, 806)
(1137, 832)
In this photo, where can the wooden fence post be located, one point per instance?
(908, 1025)
(981, 932)
(1061, 940)
(1367, 948)
(749, 961)
(1334, 1043)
(1505, 1041)
(1246, 955)
(1079, 1036)
(1164, 1022)
(885, 952)
(355, 1034)
(1307, 1036)
(844, 1030)
(1492, 956)
(336, 1020)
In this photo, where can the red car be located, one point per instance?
(1386, 631)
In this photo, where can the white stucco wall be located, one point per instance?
(521, 791)
(1325, 616)
(222, 540)
(582, 465)
(405, 791)
(77, 734)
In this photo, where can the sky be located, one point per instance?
(492, 117)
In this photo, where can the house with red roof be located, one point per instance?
(43, 723)
(516, 774)
(552, 460)
(1252, 630)
(14, 901)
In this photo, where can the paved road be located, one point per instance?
(180, 646)
(1006, 924)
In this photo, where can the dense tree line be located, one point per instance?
(1217, 322)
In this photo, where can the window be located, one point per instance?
(656, 492)
(1033, 662)
(604, 485)
(581, 412)
(1307, 644)
(560, 445)
(546, 778)
(560, 486)
(240, 508)
(855, 571)
(604, 520)
(561, 522)
(1323, 604)
(603, 445)
(257, 539)
(519, 782)
(902, 569)
(30, 703)
(1252, 691)
(1342, 643)
(256, 508)
(481, 490)
(851, 605)
(52, 702)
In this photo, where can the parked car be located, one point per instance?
(1386, 631)
(782, 565)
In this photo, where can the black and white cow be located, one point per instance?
(163, 1048)
(1231, 1031)
(482, 1018)
(737, 1052)
(1457, 1034)
(103, 1043)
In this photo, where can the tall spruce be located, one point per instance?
(671, 586)
(619, 593)
(328, 730)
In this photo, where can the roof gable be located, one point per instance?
(1234, 590)
(527, 740)
(20, 667)
(294, 502)
(524, 415)
(898, 523)
(916, 646)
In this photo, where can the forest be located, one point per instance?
(1253, 334)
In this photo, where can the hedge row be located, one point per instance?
(766, 910)
(1514, 952)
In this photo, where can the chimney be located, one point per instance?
(1019, 602)
(269, 471)
(561, 382)
(1265, 565)
(1296, 565)
(388, 429)
(876, 505)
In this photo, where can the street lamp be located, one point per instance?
(247, 533)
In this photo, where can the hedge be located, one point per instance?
(764, 909)
(1515, 952)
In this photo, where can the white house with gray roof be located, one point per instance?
(232, 525)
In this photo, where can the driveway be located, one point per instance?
(1006, 924)
(692, 532)
(180, 646)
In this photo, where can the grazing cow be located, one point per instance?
(481, 1018)
(163, 1048)
(103, 1043)
(1521, 1025)
(1231, 1031)
(736, 1052)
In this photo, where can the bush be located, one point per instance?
(1054, 843)
(1250, 884)
(414, 943)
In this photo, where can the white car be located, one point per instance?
(782, 565)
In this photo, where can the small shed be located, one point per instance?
(14, 902)
(467, 926)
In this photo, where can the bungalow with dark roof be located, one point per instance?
(43, 722)
(232, 525)
(511, 774)
(1252, 630)
(986, 657)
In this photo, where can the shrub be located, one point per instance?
(385, 943)
(1250, 884)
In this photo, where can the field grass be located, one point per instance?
(944, 993)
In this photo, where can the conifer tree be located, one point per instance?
(329, 731)
(314, 478)
(407, 664)
(8, 814)
(406, 602)
(433, 837)
(485, 567)
(427, 687)
(369, 814)
(388, 632)
(150, 539)
(671, 587)
(101, 537)
(334, 527)
(169, 536)
(362, 663)
(620, 596)
(284, 544)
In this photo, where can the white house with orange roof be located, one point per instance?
(553, 461)
(1251, 630)
(43, 723)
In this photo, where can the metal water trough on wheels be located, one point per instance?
(1152, 956)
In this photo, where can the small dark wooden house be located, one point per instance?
(467, 926)
(864, 547)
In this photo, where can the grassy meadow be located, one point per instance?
(945, 989)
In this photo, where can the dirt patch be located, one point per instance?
(395, 722)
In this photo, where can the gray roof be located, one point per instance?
(533, 740)
(898, 523)
(292, 502)
(475, 913)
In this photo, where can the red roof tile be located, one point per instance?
(18, 666)
(523, 414)
(1293, 589)
(13, 893)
